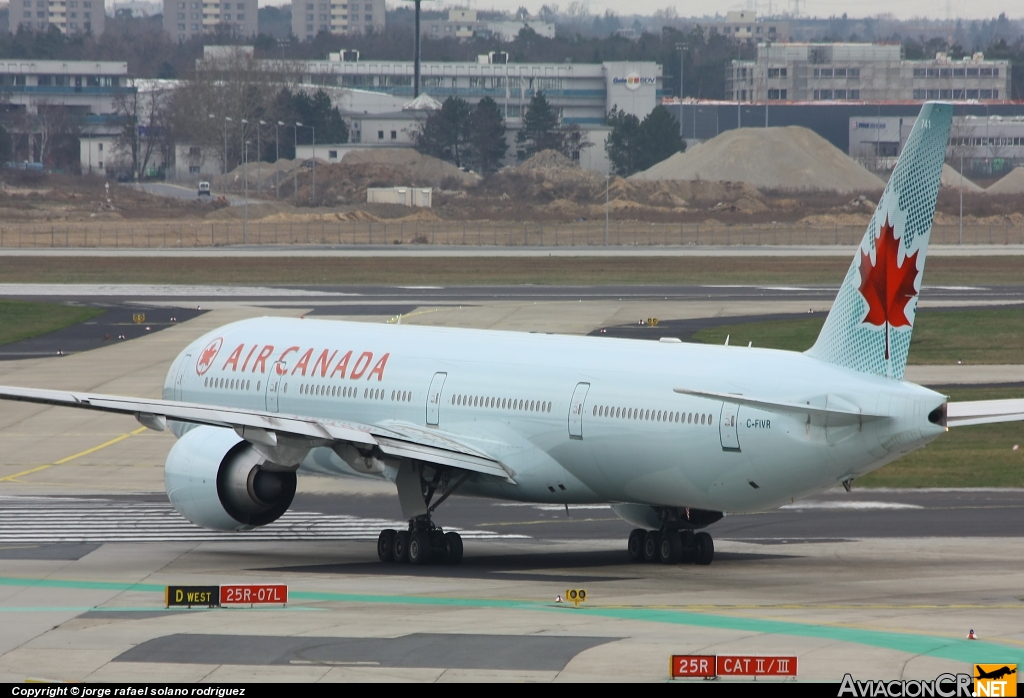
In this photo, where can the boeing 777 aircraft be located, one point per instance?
(673, 436)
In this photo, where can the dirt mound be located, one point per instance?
(778, 158)
(1013, 183)
(421, 170)
(951, 180)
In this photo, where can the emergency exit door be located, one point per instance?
(579, 399)
(180, 378)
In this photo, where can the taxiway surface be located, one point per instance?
(880, 584)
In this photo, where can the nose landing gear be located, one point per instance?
(671, 546)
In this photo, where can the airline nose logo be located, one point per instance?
(206, 359)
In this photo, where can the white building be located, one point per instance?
(310, 17)
(70, 16)
(184, 19)
(988, 145)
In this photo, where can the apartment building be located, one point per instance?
(310, 17)
(70, 16)
(184, 19)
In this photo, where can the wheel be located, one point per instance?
(454, 541)
(385, 545)
(438, 546)
(419, 548)
(704, 549)
(652, 540)
(635, 546)
(400, 548)
(671, 548)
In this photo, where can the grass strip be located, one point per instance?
(21, 320)
(485, 271)
(973, 336)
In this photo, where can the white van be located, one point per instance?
(204, 189)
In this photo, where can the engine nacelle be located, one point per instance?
(217, 480)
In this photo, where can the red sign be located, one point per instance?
(254, 593)
(756, 666)
(689, 666)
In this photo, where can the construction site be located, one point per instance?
(783, 185)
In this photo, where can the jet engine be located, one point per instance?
(219, 481)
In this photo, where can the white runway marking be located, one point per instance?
(163, 291)
(46, 520)
(850, 505)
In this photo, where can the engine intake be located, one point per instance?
(219, 481)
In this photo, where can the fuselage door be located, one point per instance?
(180, 378)
(728, 426)
(434, 399)
(274, 385)
(579, 399)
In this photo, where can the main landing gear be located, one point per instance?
(671, 546)
(422, 544)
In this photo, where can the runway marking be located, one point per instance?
(65, 520)
(549, 521)
(944, 647)
(80, 454)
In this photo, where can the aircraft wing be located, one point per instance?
(260, 427)
(962, 414)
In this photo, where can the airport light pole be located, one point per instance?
(245, 221)
(277, 158)
(607, 183)
(295, 177)
(226, 120)
(682, 55)
(767, 63)
(259, 158)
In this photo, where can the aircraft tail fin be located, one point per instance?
(869, 326)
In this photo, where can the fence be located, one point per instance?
(476, 233)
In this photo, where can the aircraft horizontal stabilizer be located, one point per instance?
(962, 414)
(829, 407)
(263, 427)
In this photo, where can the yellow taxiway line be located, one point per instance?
(80, 454)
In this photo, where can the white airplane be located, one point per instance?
(671, 435)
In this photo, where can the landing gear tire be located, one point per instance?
(385, 545)
(671, 548)
(635, 546)
(419, 548)
(454, 544)
(652, 541)
(400, 548)
(703, 548)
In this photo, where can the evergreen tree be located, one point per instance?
(659, 138)
(623, 144)
(445, 134)
(540, 129)
(486, 136)
(633, 146)
(316, 111)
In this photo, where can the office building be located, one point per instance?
(862, 72)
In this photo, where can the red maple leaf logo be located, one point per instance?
(208, 355)
(886, 286)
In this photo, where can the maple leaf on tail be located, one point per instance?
(886, 286)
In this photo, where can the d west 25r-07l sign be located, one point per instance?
(226, 594)
(695, 666)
